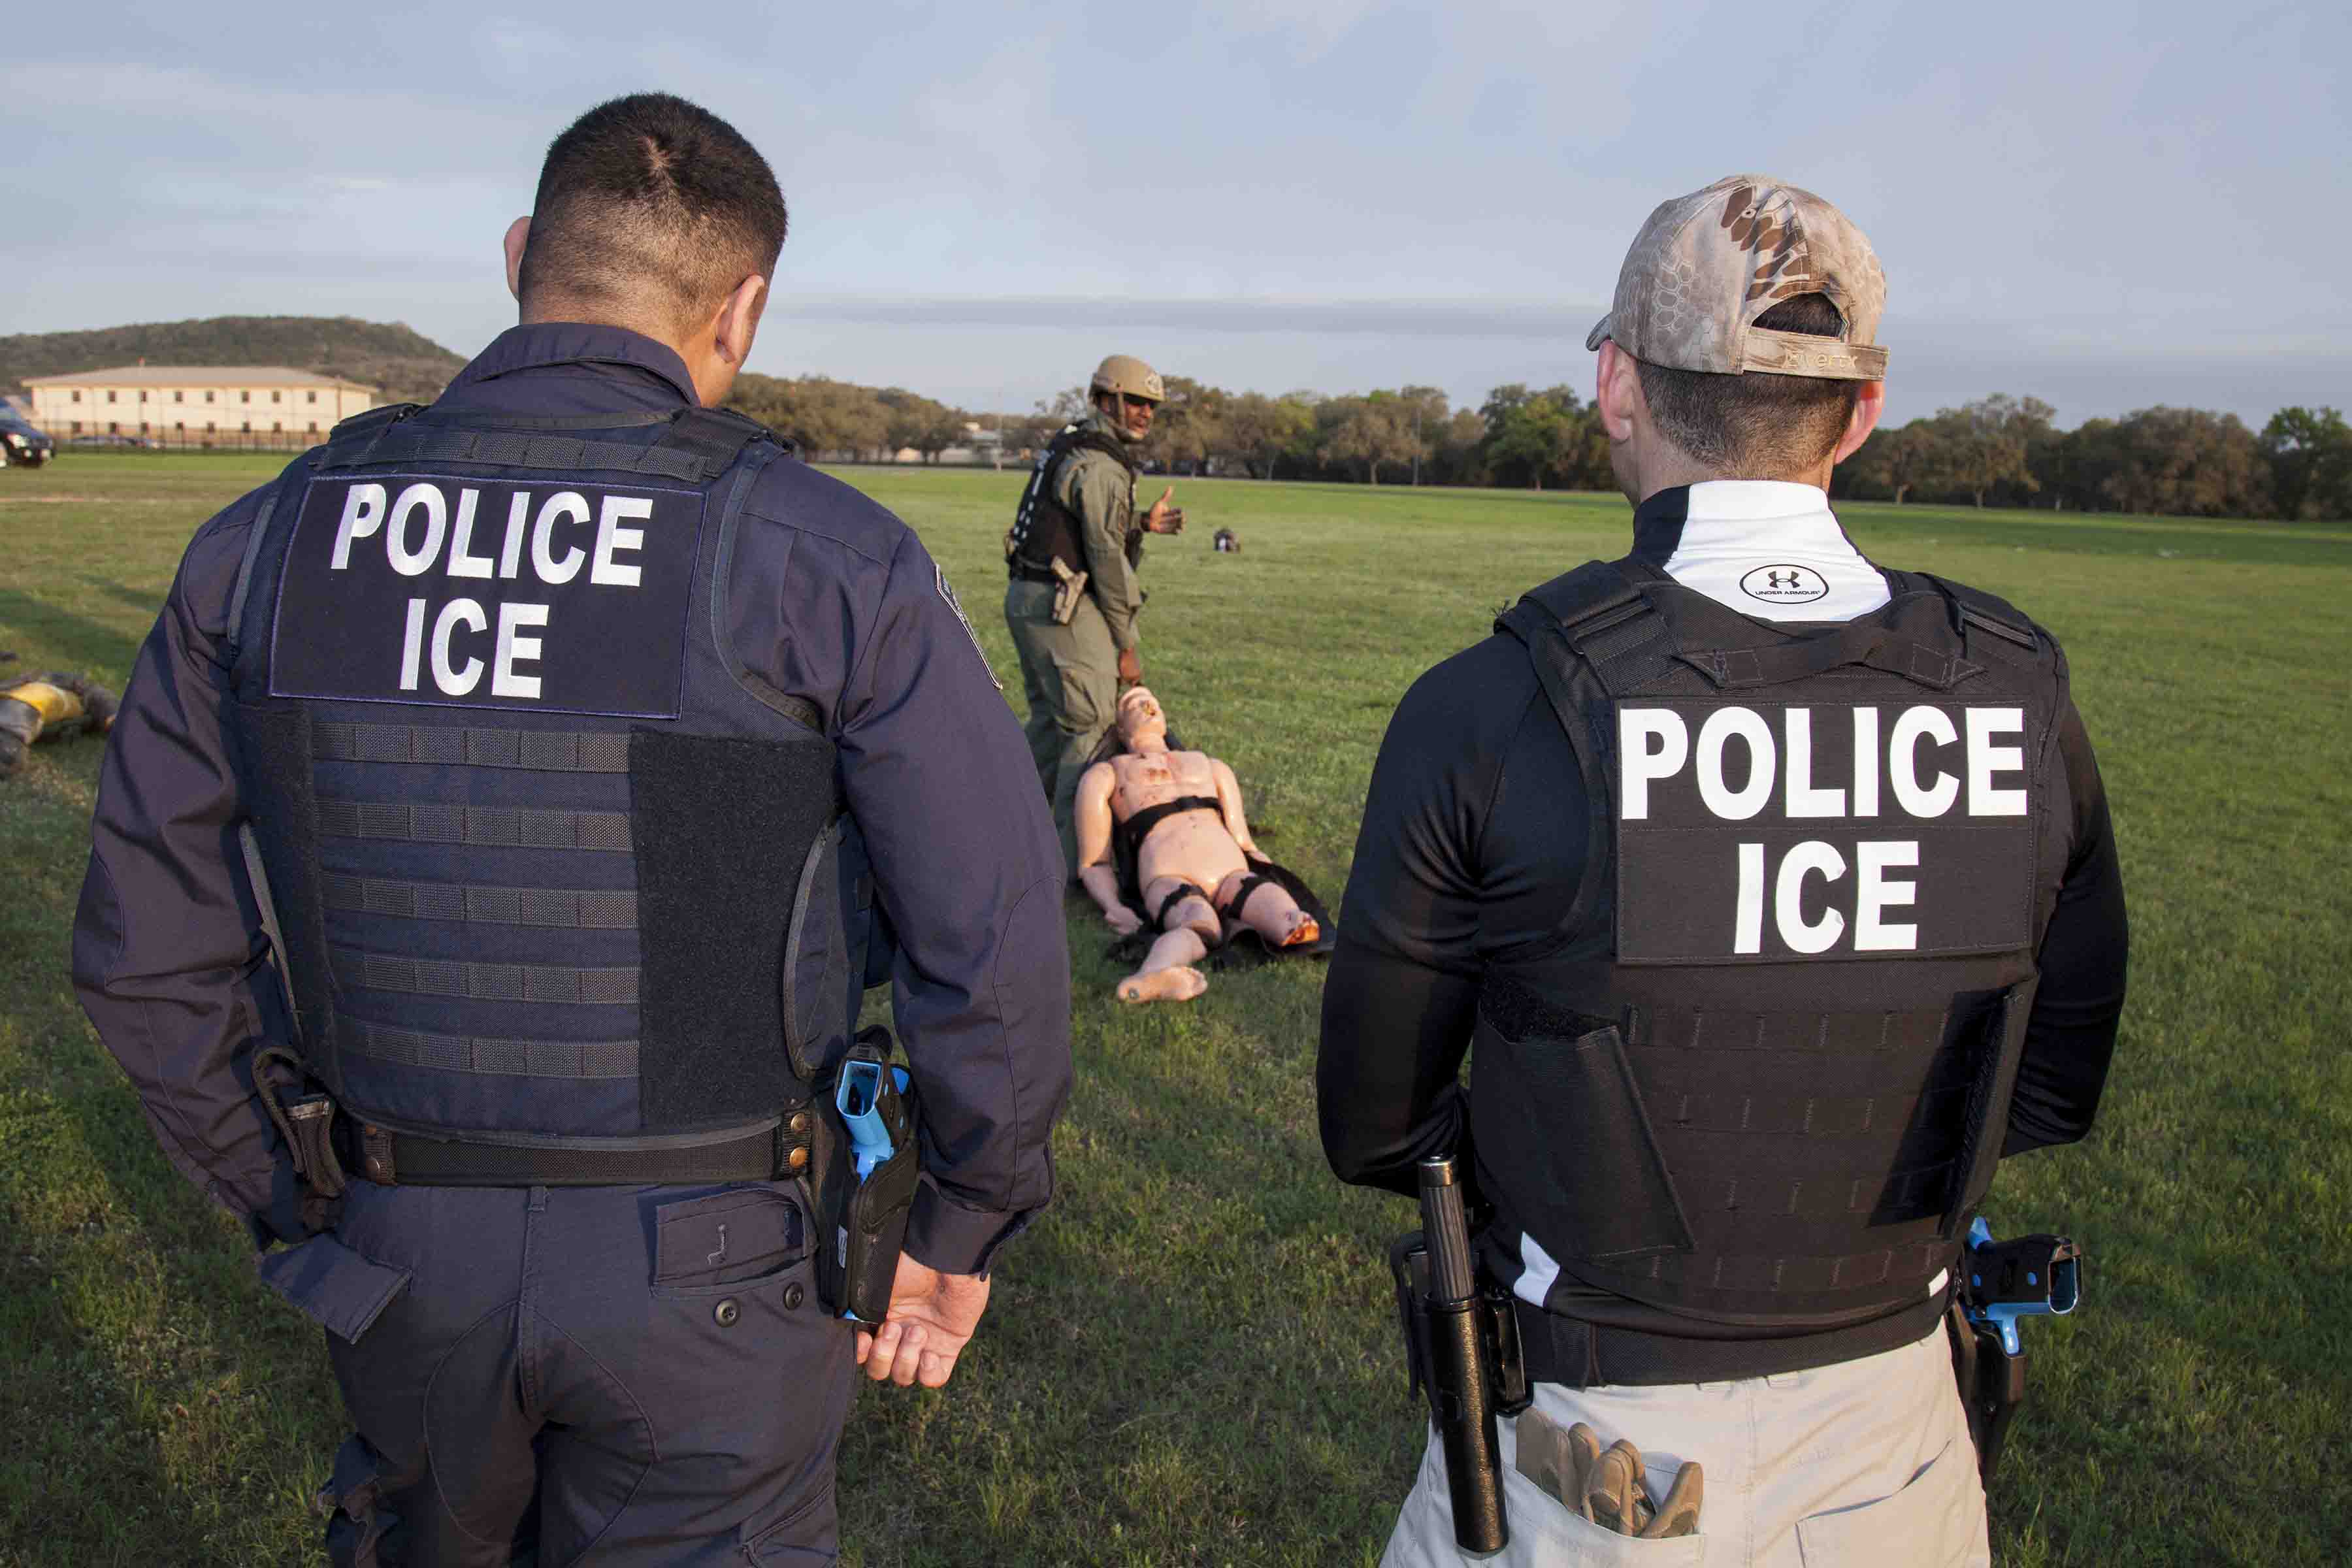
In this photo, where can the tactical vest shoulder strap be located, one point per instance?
(1978, 608)
(260, 533)
(1602, 613)
(700, 444)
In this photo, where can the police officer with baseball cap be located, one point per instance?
(1072, 554)
(1771, 894)
(504, 818)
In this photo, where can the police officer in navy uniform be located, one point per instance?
(504, 815)
(1771, 895)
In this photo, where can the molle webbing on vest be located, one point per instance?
(1761, 1276)
(701, 445)
(358, 970)
(519, 1058)
(450, 745)
(487, 826)
(569, 908)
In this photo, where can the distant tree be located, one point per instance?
(1980, 446)
(1191, 426)
(913, 420)
(2189, 462)
(2310, 454)
(1367, 431)
(1263, 430)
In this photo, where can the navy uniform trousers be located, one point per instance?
(654, 1357)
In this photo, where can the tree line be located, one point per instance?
(2001, 450)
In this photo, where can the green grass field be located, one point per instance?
(1190, 1360)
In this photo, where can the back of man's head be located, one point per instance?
(1750, 310)
(649, 208)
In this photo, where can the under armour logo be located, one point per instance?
(721, 1255)
(1791, 580)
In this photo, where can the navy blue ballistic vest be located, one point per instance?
(547, 862)
(1044, 530)
(1761, 1080)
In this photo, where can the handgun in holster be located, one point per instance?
(1462, 1353)
(1069, 587)
(2029, 1275)
(867, 1111)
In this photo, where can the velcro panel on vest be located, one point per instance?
(722, 829)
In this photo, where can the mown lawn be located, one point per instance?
(1190, 1361)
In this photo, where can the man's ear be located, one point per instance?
(1867, 406)
(738, 320)
(1617, 390)
(518, 236)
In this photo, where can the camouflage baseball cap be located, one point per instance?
(1706, 265)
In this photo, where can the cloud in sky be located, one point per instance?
(2130, 202)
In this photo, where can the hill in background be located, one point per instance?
(407, 366)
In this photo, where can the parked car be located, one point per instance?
(21, 444)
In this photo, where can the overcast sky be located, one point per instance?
(2106, 206)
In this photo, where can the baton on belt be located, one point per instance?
(1445, 1322)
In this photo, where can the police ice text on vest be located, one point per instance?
(1828, 793)
(421, 531)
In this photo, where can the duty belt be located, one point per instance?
(773, 1151)
(1570, 1351)
(1023, 572)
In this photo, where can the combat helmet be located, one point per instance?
(1128, 375)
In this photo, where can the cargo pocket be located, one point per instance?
(1570, 1107)
(1936, 1521)
(709, 1246)
(352, 1500)
(808, 1536)
(816, 985)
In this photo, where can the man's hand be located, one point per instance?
(931, 1318)
(1123, 921)
(1131, 668)
(1163, 518)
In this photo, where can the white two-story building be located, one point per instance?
(189, 402)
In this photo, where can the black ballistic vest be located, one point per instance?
(1761, 1080)
(1044, 530)
(547, 862)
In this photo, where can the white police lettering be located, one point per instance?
(563, 506)
(612, 537)
(514, 646)
(411, 561)
(463, 561)
(1865, 829)
(454, 680)
(488, 593)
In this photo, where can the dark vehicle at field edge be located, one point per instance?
(139, 443)
(21, 444)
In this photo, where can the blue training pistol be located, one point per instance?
(2030, 1277)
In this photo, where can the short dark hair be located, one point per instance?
(1757, 425)
(651, 201)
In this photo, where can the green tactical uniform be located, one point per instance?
(1070, 672)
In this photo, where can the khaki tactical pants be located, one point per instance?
(1070, 675)
(1860, 1465)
